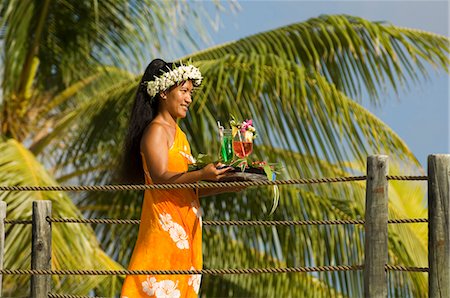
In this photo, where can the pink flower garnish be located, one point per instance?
(246, 125)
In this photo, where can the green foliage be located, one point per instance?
(301, 84)
(74, 246)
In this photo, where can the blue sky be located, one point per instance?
(420, 116)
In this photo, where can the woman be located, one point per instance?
(157, 150)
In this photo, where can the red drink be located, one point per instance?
(242, 149)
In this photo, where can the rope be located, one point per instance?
(205, 271)
(306, 222)
(196, 185)
(95, 220)
(392, 177)
(345, 268)
(224, 222)
(282, 222)
(54, 295)
(179, 272)
(404, 268)
(217, 222)
(407, 220)
(18, 221)
(177, 185)
(244, 222)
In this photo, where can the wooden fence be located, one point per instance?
(376, 231)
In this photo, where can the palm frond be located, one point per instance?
(301, 85)
(50, 45)
(293, 110)
(74, 246)
(342, 48)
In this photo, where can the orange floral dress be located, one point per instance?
(170, 235)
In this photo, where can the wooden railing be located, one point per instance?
(376, 222)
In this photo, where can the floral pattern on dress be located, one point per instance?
(189, 157)
(168, 289)
(156, 249)
(161, 289)
(166, 221)
(179, 236)
(176, 231)
(194, 281)
(149, 286)
(198, 211)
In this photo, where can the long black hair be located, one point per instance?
(145, 109)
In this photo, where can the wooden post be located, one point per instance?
(41, 248)
(2, 240)
(376, 237)
(438, 221)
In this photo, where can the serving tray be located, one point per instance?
(249, 174)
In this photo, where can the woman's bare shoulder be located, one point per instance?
(155, 132)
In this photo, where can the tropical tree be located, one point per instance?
(50, 51)
(297, 82)
(302, 85)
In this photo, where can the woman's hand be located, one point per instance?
(212, 173)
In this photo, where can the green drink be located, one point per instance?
(226, 146)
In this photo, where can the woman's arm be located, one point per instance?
(155, 147)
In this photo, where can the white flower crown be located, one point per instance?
(175, 76)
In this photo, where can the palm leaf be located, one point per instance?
(297, 108)
(343, 48)
(74, 246)
(267, 75)
(66, 36)
(50, 45)
(297, 83)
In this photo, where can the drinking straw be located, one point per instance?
(221, 128)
